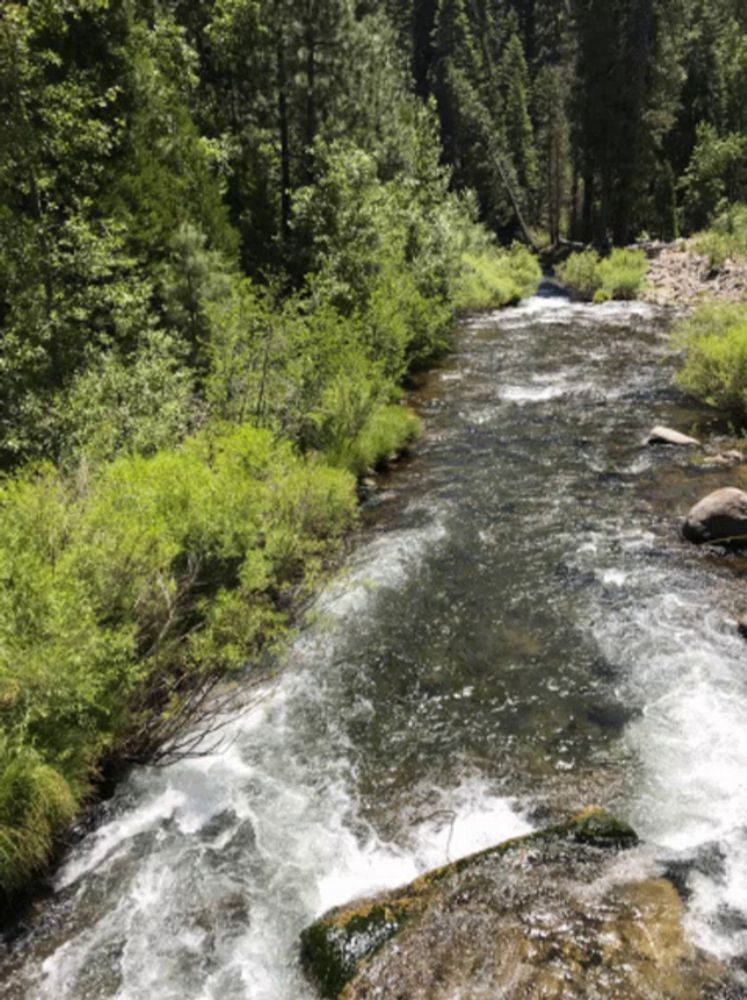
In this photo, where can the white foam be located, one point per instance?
(686, 670)
(532, 393)
(264, 825)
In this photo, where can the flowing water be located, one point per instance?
(519, 632)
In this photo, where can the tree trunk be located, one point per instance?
(285, 178)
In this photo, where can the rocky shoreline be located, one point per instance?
(681, 276)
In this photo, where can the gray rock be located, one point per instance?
(720, 517)
(665, 435)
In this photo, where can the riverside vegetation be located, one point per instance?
(194, 369)
(228, 232)
(714, 336)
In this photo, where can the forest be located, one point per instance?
(230, 233)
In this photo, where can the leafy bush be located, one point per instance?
(715, 368)
(123, 590)
(619, 276)
(622, 274)
(493, 278)
(580, 273)
(727, 237)
(120, 404)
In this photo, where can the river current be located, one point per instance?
(519, 632)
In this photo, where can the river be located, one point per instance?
(518, 632)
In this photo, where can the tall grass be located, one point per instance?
(387, 431)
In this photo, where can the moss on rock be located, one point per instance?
(337, 949)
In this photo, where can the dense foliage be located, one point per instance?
(598, 119)
(125, 590)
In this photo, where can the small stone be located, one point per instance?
(665, 435)
(742, 624)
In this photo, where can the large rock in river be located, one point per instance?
(551, 915)
(720, 517)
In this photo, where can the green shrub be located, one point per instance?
(619, 276)
(622, 274)
(580, 273)
(715, 368)
(492, 278)
(524, 268)
(121, 404)
(726, 239)
(126, 588)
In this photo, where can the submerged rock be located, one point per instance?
(720, 517)
(665, 435)
(539, 916)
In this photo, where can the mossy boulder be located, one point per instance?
(540, 916)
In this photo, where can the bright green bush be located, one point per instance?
(126, 588)
(622, 274)
(492, 278)
(580, 273)
(715, 367)
(727, 237)
(619, 276)
(120, 404)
